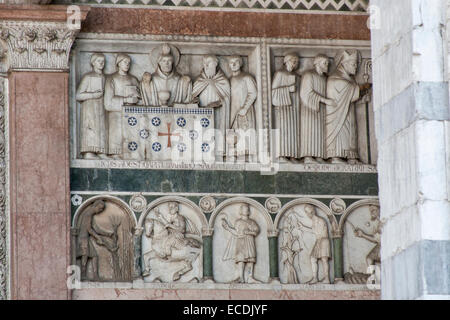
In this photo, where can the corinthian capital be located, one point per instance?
(39, 42)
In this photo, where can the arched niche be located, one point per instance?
(297, 243)
(171, 254)
(227, 253)
(102, 239)
(360, 250)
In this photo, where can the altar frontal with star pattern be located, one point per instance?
(168, 134)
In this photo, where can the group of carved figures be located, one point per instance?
(169, 243)
(102, 97)
(315, 115)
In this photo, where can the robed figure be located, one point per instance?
(213, 91)
(340, 120)
(242, 110)
(286, 103)
(313, 99)
(121, 88)
(93, 119)
(165, 86)
(241, 247)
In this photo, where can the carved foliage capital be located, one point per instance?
(37, 45)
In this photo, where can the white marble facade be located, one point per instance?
(260, 62)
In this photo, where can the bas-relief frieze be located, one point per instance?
(204, 105)
(174, 237)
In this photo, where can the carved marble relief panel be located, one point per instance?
(102, 240)
(305, 245)
(233, 241)
(171, 241)
(361, 226)
(240, 242)
(166, 101)
(332, 126)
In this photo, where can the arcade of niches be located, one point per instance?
(206, 152)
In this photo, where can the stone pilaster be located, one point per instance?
(38, 40)
(411, 102)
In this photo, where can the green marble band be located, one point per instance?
(239, 182)
(273, 257)
(338, 258)
(207, 257)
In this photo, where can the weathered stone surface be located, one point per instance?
(224, 23)
(224, 294)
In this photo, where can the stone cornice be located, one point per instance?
(38, 37)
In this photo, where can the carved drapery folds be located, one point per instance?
(236, 242)
(179, 104)
(37, 45)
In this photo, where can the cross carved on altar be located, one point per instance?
(169, 135)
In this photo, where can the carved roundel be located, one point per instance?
(273, 205)
(77, 200)
(205, 147)
(132, 146)
(144, 133)
(181, 147)
(138, 203)
(204, 122)
(193, 134)
(156, 146)
(181, 122)
(338, 206)
(156, 121)
(132, 121)
(207, 204)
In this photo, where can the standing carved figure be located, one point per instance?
(121, 89)
(213, 91)
(321, 250)
(286, 103)
(93, 120)
(373, 257)
(341, 138)
(241, 247)
(166, 86)
(313, 99)
(242, 110)
(87, 236)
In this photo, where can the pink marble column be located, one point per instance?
(39, 149)
(39, 171)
